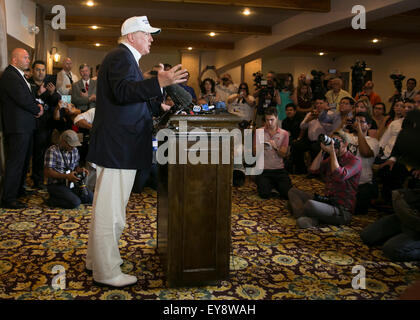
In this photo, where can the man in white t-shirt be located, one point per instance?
(65, 78)
(366, 148)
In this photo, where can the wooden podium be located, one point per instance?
(194, 209)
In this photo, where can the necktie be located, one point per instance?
(70, 77)
(87, 86)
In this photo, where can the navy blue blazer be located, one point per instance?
(121, 136)
(18, 105)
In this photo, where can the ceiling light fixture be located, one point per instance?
(90, 3)
(97, 44)
(375, 40)
(189, 48)
(321, 53)
(212, 34)
(94, 27)
(246, 12)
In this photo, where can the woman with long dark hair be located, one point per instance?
(208, 92)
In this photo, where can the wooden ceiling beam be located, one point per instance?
(167, 25)
(371, 33)
(330, 49)
(89, 41)
(301, 5)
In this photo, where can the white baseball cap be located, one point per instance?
(135, 24)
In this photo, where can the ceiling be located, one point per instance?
(188, 23)
(184, 23)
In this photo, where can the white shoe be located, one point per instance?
(119, 281)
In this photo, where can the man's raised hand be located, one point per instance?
(172, 76)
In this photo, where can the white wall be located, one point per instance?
(405, 59)
(297, 65)
(19, 15)
(80, 56)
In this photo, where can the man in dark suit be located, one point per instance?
(121, 143)
(19, 110)
(43, 88)
(83, 92)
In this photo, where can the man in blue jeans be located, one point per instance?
(61, 167)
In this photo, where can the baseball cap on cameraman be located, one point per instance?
(71, 138)
(135, 24)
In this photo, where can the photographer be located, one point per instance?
(366, 148)
(242, 103)
(341, 170)
(66, 180)
(320, 120)
(266, 94)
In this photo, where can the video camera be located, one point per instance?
(316, 83)
(265, 88)
(358, 77)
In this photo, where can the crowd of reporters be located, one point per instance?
(360, 164)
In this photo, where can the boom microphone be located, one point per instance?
(179, 96)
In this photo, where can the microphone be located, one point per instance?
(179, 96)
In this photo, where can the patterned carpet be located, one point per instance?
(271, 258)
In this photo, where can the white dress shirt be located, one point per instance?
(23, 76)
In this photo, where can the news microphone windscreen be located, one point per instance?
(179, 95)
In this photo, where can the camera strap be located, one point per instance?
(66, 164)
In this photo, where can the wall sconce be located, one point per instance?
(54, 53)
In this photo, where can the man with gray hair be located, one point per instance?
(83, 92)
(65, 78)
(335, 95)
(121, 143)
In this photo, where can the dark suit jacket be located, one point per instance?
(80, 102)
(46, 121)
(121, 136)
(18, 104)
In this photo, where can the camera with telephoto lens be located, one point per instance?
(326, 140)
(80, 186)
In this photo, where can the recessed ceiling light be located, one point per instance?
(90, 3)
(190, 48)
(94, 27)
(97, 44)
(321, 53)
(375, 40)
(212, 34)
(246, 12)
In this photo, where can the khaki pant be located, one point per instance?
(112, 191)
